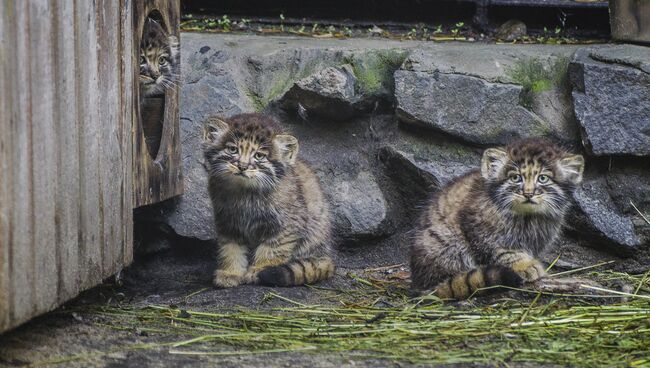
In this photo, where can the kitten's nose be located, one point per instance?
(242, 166)
(528, 195)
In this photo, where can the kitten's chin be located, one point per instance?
(244, 182)
(527, 208)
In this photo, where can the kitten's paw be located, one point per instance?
(225, 279)
(529, 269)
(251, 277)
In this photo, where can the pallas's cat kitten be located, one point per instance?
(159, 60)
(271, 217)
(487, 227)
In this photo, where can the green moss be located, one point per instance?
(537, 77)
(258, 103)
(282, 80)
(374, 69)
(278, 88)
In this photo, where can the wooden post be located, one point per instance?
(156, 143)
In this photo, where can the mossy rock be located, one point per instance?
(374, 70)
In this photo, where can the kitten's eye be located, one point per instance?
(542, 179)
(515, 178)
(162, 60)
(260, 156)
(231, 149)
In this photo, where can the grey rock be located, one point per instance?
(629, 55)
(499, 98)
(467, 107)
(269, 74)
(611, 95)
(329, 92)
(358, 205)
(511, 30)
(597, 217)
(361, 82)
(628, 181)
(423, 164)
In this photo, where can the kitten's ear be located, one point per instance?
(287, 146)
(213, 129)
(571, 168)
(494, 159)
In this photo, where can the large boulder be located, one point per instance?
(422, 164)
(359, 82)
(358, 205)
(596, 218)
(464, 106)
(490, 101)
(329, 92)
(611, 95)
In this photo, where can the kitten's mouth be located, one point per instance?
(147, 81)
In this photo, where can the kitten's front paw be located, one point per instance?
(225, 279)
(251, 277)
(529, 269)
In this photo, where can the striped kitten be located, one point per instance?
(159, 60)
(271, 216)
(488, 227)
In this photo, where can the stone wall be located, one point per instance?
(386, 123)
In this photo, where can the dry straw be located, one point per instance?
(378, 320)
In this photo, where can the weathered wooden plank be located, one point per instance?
(22, 236)
(67, 126)
(110, 160)
(5, 166)
(88, 100)
(127, 86)
(44, 140)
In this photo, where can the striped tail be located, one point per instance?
(463, 285)
(298, 272)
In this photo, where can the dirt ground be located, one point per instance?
(77, 339)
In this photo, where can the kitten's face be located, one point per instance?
(532, 177)
(158, 60)
(247, 154)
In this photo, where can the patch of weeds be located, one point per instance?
(374, 70)
(455, 31)
(536, 77)
(224, 23)
(258, 103)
